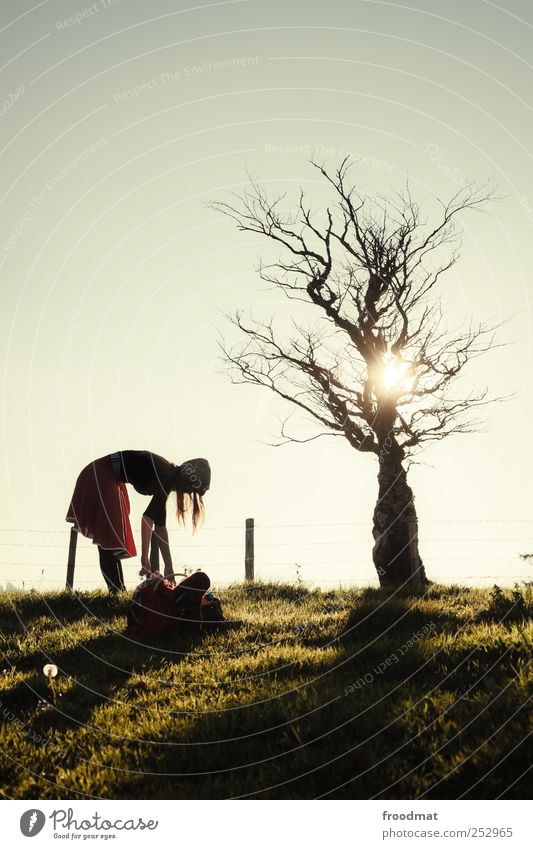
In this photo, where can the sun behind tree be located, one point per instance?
(397, 375)
(378, 369)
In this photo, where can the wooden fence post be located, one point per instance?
(249, 550)
(71, 558)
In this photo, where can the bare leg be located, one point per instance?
(111, 569)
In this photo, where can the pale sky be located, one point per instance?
(120, 121)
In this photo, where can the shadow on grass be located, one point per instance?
(65, 607)
(434, 723)
(378, 614)
(93, 671)
(447, 718)
(394, 738)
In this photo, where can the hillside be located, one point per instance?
(340, 694)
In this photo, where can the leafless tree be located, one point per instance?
(379, 366)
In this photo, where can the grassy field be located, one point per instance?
(340, 694)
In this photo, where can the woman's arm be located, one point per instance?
(162, 541)
(147, 525)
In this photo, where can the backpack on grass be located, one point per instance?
(153, 611)
(211, 611)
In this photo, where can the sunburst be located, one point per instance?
(397, 375)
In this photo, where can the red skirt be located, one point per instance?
(100, 508)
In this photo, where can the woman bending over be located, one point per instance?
(100, 507)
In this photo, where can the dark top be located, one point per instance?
(148, 473)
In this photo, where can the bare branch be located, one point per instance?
(380, 362)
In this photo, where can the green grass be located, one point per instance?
(277, 706)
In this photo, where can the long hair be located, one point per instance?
(190, 504)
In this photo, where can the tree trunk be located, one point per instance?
(395, 530)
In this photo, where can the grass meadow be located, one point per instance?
(307, 694)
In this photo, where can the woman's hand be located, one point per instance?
(145, 566)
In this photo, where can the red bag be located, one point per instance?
(153, 609)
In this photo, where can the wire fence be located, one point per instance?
(295, 566)
(211, 528)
